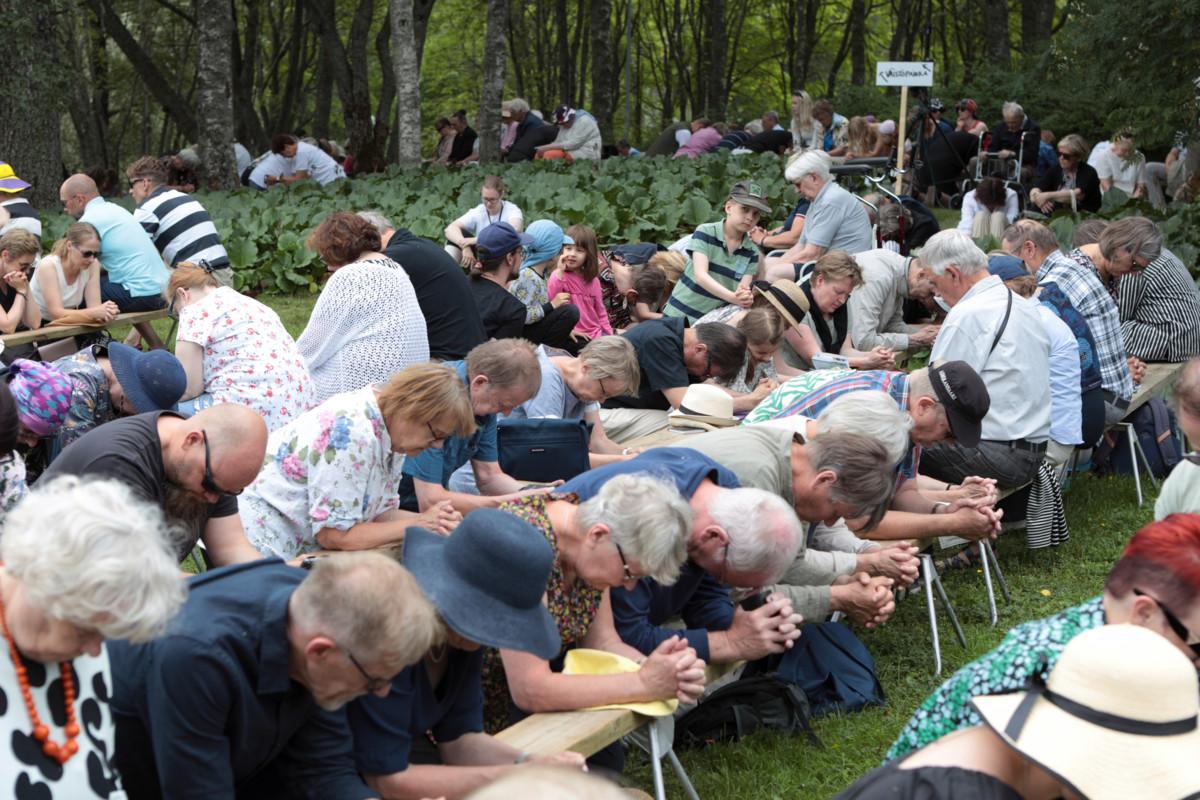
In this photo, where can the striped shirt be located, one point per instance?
(21, 215)
(691, 300)
(1160, 311)
(809, 393)
(181, 229)
(1076, 276)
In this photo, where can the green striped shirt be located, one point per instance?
(690, 299)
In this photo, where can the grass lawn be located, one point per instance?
(1102, 513)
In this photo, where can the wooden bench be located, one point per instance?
(49, 333)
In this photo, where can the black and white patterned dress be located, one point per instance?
(26, 773)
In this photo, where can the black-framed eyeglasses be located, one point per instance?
(374, 685)
(1192, 457)
(1174, 623)
(87, 253)
(708, 366)
(136, 181)
(1065, 155)
(629, 576)
(603, 391)
(207, 482)
(437, 437)
(725, 562)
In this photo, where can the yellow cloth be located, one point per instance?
(598, 662)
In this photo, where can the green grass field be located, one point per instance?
(1102, 513)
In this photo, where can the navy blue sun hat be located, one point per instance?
(499, 239)
(1007, 267)
(487, 580)
(152, 381)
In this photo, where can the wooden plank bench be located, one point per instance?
(585, 732)
(49, 333)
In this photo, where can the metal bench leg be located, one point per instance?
(662, 742)
(927, 576)
(1145, 461)
(945, 598)
(991, 554)
(1133, 448)
(987, 582)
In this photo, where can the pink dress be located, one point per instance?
(587, 296)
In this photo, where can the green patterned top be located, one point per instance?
(1027, 650)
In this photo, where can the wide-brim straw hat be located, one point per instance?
(1116, 719)
(704, 405)
(787, 298)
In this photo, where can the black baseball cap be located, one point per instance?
(963, 394)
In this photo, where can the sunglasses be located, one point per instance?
(87, 253)
(1173, 622)
(374, 685)
(207, 482)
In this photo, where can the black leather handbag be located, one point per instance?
(543, 450)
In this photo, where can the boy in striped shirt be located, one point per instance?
(723, 260)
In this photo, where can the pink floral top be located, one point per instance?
(588, 297)
(333, 467)
(249, 357)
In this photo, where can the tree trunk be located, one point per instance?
(566, 82)
(1037, 19)
(159, 85)
(799, 65)
(323, 94)
(495, 57)
(713, 90)
(995, 24)
(32, 92)
(92, 144)
(602, 66)
(384, 123)
(858, 42)
(214, 70)
(407, 66)
(249, 127)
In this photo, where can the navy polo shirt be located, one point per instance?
(437, 464)
(697, 597)
(209, 711)
(385, 727)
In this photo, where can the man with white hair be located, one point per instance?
(242, 697)
(739, 537)
(836, 219)
(1001, 336)
(1007, 139)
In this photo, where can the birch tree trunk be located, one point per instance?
(32, 92)
(408, 82)
(215, 88)
(495, 57)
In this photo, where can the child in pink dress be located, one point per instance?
(578, 267)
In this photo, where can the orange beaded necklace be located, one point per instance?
(60, 753)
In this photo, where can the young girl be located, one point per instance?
(578, 267)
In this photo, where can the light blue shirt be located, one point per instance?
(1066, 403)
(126, 250)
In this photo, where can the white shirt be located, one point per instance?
(271, 164)
(1066, 403)
(1100, 149)
(971, 207)
(1125, 174)
(316, 163)
(1016, 373)
(242, 156)
(474, 221)
(71, 295)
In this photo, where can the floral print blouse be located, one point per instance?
(530, 289)
(249, 357)
(1027, 650)
(333, 467)
(574, 606)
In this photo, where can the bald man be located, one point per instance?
(192, 468)
(134, 273)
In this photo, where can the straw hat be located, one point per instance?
(787, 298)
(1116, 719)
(703, 406)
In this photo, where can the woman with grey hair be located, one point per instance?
(70, 579)
(635, 526)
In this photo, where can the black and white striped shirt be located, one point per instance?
(181, 229)
(1160, 311)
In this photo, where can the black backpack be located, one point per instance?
(833, 668)
(1154, 425)
(749, 704)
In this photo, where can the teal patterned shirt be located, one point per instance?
(1027, 650)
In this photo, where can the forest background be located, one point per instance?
(99, 82)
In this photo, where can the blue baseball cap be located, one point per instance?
(499, 239)
(1007, 267)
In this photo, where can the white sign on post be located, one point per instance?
(904, 73)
